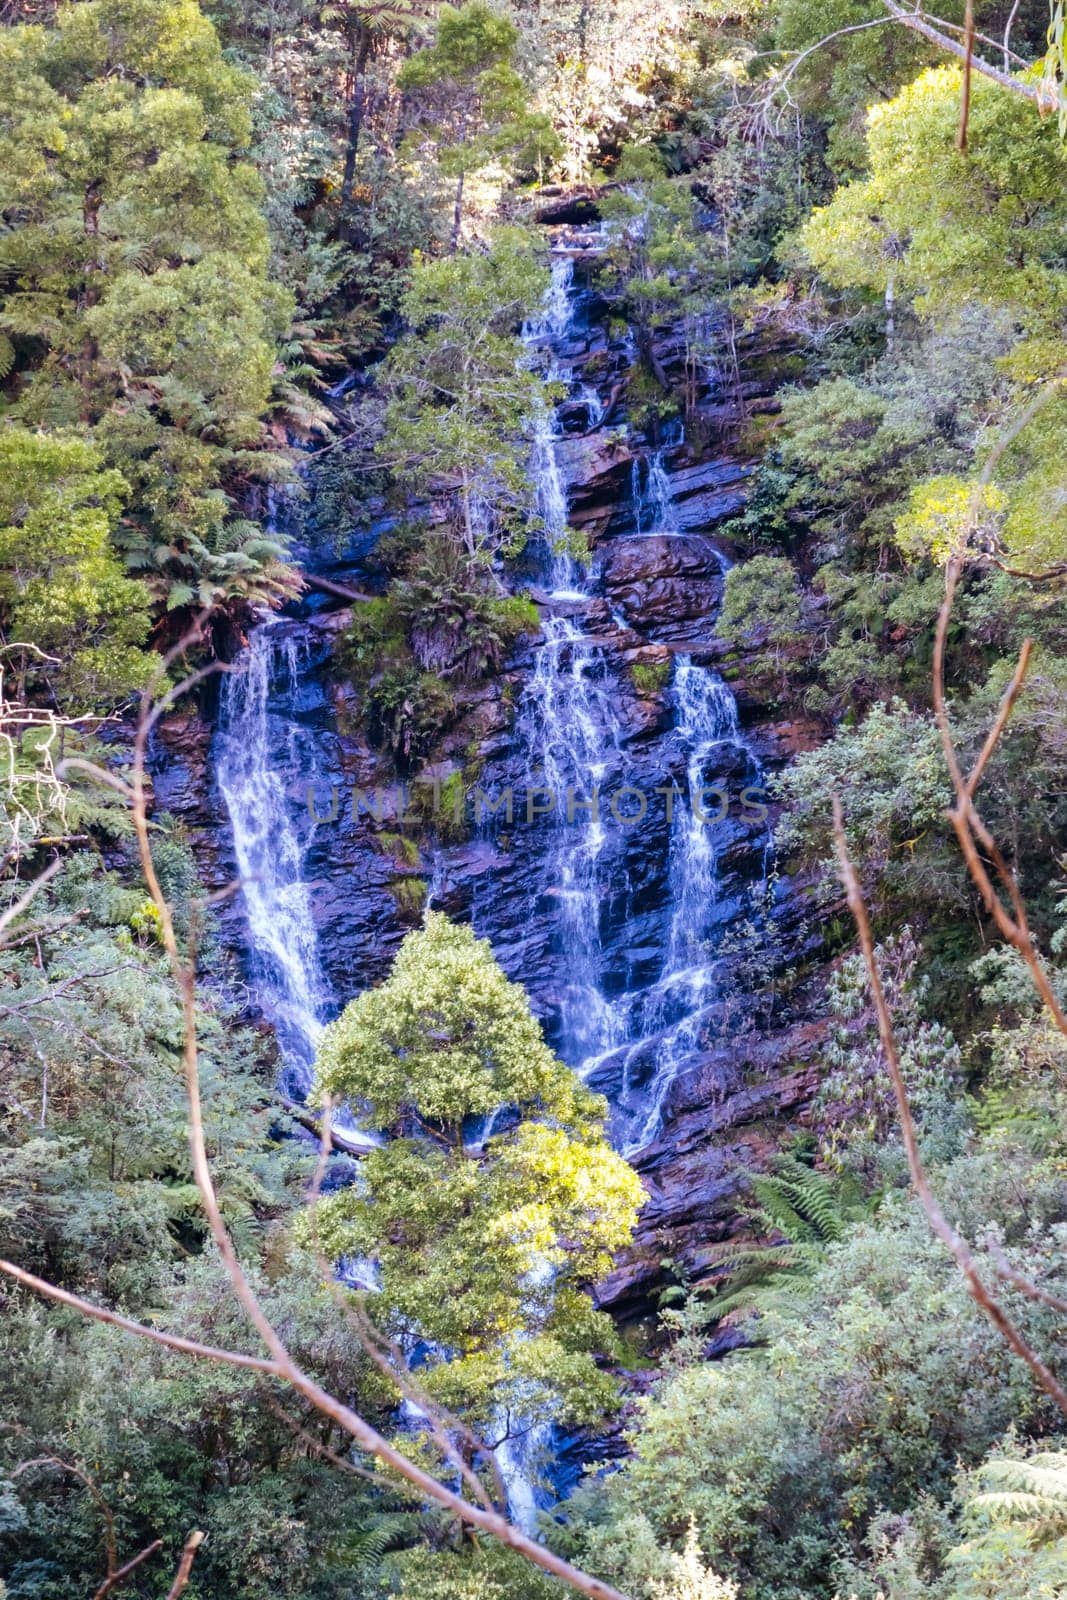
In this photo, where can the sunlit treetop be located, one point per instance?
(986, 225)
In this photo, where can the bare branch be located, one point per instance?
(115, 1574)
(172, 1341)
(185, 1565)
(316, 1446)
(1007, 705)
(34, 888)
(113, 1579)
(953, 1242)
(917, 21)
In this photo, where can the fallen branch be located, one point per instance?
(313, 581)
(353, 1145)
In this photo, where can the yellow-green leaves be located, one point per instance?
(987, 225)
(482, 1238)
(947, 516)
(62, 588)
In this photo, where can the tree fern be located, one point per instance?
(1031, 1492)
(363, 1550)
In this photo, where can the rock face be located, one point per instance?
(668, 586)
(653, 514)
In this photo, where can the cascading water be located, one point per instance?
(270, 855)
(570, 738)
(674, 1010)
(569, 729)
(651, 487)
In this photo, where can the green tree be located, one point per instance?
(484, 1238)
(367, 25)
(135, 297)
(762, 604)
(985, 226)
(660, 264)
(472, 101)
(62, 587)
(463, 398)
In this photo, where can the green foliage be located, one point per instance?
(62, 588)
(985, 225)
(875, 1384)
(946, 223)
(650, 678)
(762, 607)
(483, 1241)
(807, 1209)
(96, 1194)
(891, 776)
(463, 399)
(440, 626)
(135, 294)
(855, 1104)
(836, 80)
(660, 268)
(472, 99)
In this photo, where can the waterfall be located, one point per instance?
(258, 738)
(569, 732)
(270, 855)
(636, 1020)
(569, 729)
(706, 719)
(652, 499)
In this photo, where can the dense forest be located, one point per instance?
(533, 879)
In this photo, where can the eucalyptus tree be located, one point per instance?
(462, 396)
(368, 26)
(470, 100)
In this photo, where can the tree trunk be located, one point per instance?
(360, 58)
(457, 213)
(468, 521)
(890, 311)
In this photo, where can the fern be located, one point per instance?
(1031, 1492)
(363, 1550)
(809, 1210)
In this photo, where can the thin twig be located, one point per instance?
(971, 831)
(953, 1242)
(1025, 1285)
(965, 86)
(387, 1485)
(1007, 705)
